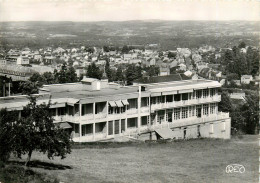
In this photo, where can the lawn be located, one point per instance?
(197, 160)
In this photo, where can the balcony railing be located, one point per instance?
(191, 121)
(132, 111)
(100, 115)
(158, 106)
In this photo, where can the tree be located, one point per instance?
(94, 72)
(71, 75)
(125, 49)
(132, 73)
(119, 74)
(250, 112)
(28, 87)
(242, 45)
(7, 119)
(35, 131)
(225, 104)
(108, 71)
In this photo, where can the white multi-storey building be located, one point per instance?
(95, 110)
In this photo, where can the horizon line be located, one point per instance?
(143, 20)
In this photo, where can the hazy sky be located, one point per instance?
(118, 10)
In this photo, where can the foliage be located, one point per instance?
(34, 131)
(93, 71)
(7, 119)
(250, 112)
(28, 87)
(172, 55)
(225, 104)
(241, 63)
(119, 74)
(133, 72)
(244, 116)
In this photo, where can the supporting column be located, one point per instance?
(94, 130)
(113, 127)
(165, 113)
(139, 109)
(107, 128)
(94, 110)
(80, 114)
(120, 130)
(149, 121)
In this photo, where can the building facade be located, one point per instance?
(95, 110)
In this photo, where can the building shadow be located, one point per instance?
(41, 164)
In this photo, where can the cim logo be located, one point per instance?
(235, 168)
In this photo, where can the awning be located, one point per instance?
(170, 92)
(58, 105)
(65, 125)
(185, 91)
(119, 103)
(125, 102)
(165, 133)
(112, 103)
(72, 101)
(156, 94)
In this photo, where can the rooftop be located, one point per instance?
(112, 92)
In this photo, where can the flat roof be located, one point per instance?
(109, 93)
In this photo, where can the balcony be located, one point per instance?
(216, 98)
(87, 117)
(66, 118)
(132, 111)
(191, 121)
(144, 109)
(100, 115)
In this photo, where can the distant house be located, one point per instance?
(164, 71)
(134, 61)
(239, 96)
(23, 60)
(246, 79)
(2, 62)
(256, 80)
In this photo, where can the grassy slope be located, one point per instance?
(201, 160)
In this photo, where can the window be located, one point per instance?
(61, 111)
(122, 109)
(110, 128)
(153, 100)
(191, 111)
(169, 98)
(177, 113)
(212, 108)
(161, 99)
(212, 92)
(177, 97)
(169, 115)
(122, 125)
(193, 94)
(185, 96)
(205, 93)
(198, 111)
(184, 112)
(206, 109)
(117, 110)
(144, 102)
(144, 120)
(198, 93)
(131, 122)
(110, 110)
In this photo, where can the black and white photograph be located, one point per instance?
(129, 91)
